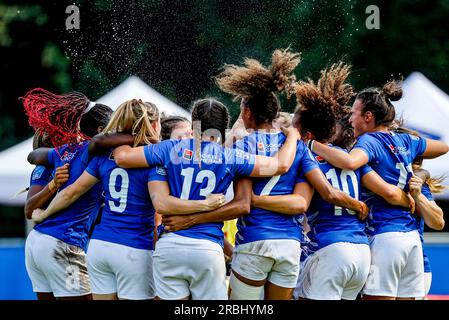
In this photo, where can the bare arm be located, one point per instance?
(435, 148)
(39, 156)
(239, 206)
(282, 161)
(390, 193)
(105, 141)
(292, 204)
(166, 204)
(128, 157)
(431, 213)
(339, 158)
(39, 196)
(333, 195)
(67, 196)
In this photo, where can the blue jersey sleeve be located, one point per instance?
(365, 169)
(425, 190)
(241, 162)
(157, 174)
(158, 154)
(85, 156)
(418, 145)
(40, 176)
(94, 167)
(301, 178)
(52, 156)
(368, 144)
(308, 162)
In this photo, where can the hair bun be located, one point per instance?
(392, 90)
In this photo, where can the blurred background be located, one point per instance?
(174, 48)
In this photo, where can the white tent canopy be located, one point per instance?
(15, 171)
(425, 108)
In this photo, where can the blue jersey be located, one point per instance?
(329, 223)
(188, 181)
(128, 214)
(390, 155)
(263, 224)
(72, 224)
(41, 176)
(425, 190)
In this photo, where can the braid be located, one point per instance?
(58, 115)
(95, 118)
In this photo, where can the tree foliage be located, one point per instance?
(179, 46)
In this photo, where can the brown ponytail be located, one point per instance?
(135, 117)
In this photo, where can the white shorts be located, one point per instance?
(397, 268)
(116, 268)
(274, 260)
(186, 267)
(427, 284)
(337, 271)
(55, 266)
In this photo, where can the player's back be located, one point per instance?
(263, 224)
(71, 225)
(128, 214)
(329, 223)
(390, 155)
(189, 179)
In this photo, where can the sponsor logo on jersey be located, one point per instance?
(399, 150)
(187, 154)
(260, 147)
(68, 156)
(161, 171)
(320, 159)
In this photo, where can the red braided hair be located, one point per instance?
(58, 115)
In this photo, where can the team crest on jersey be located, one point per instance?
(187, 154)
(260, 147)
(320, 160)
(37, 173)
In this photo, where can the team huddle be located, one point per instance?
(330, 202)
